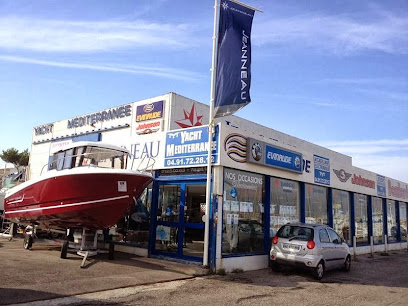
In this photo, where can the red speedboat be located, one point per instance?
(87, 186)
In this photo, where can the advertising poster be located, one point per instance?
(189, 147)
(322, 170)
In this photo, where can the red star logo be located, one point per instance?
(190, 118)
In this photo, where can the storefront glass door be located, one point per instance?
(179, 220)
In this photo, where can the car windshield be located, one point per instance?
(292, 232)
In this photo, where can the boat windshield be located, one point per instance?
(89, 156)
(11, 180)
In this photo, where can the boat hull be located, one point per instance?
(82, 200)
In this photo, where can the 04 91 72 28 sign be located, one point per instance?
(189, 147)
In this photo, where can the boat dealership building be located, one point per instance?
(261, 179)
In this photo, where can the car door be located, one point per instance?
(327, 247)
(339, 252)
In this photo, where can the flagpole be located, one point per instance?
(210, 136)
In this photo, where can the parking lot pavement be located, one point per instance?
(41, 274)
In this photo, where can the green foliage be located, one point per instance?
(13, 156)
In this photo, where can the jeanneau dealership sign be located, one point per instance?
(259, 152)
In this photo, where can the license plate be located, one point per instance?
(291, 247)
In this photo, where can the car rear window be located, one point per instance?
(292, 232)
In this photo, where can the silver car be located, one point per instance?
(313, 246)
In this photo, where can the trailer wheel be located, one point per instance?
(28, 242)
(111, 255)
(64, 250)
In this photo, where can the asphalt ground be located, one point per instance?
(40, 273)
(39, 277)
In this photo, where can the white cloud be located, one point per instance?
(338, 34)
(165, 72)
(368, 146)
(387, 157)
(87, 36)
(391, 166)
(368, 81)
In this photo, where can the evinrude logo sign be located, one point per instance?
(259, 152)
(149, 111)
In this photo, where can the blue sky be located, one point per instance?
(331, 72)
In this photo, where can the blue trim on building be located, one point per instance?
(302, 191)
(330, 206)
(267, 213)
(385, 214)
(352, 217)
(370, 217)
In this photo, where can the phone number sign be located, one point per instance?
(189, 147)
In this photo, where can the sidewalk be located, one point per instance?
(41, 274)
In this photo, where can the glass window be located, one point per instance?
(324, 236)
(391, 222)
(284, 203)
(133, 227)
(68, 159)
(316, 204)
(378, 217)
(58, 161)
(295, 232)
(243, 212)
(169, 203)
(403, 220)
(105, 158)
(333, 236)
(361, 218)
(341, 214)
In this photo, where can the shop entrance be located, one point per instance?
(179, 220)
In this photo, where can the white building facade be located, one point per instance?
(261, 179)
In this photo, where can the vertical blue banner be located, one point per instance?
(233, 72)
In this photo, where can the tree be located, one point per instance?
(18, 159)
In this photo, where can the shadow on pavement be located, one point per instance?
(11, 296)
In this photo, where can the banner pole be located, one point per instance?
(210, 136)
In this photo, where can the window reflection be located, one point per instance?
(243, 212)
(361, 218)
(284, 203)
(403, 221)
(378, 220)
(341, 214)
(392, 229)
(169, 203)
(316, 204)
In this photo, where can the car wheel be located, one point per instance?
(275, 266)
(319, 271)
(347, 264)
